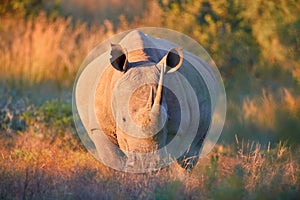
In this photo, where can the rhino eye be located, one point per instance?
(124, 120)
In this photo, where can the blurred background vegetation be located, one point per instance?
(255, 44)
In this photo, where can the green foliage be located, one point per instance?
(288, 126)
(24, 155)
(171, 191)
(231, 187)
(29, 8)
(11, 112)
(56, 113)
(53, 120)
(212, 171)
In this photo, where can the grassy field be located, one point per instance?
(47, 161)
(256, 47)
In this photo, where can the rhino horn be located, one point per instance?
(171, 62)
(158, 97)
(150, 99)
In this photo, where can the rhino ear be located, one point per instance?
(118, 57)
(172, 60)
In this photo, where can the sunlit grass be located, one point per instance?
(279, 114)
(45, 49)
(32, 167)
(264, 109)
(45, 159)
(265, 116)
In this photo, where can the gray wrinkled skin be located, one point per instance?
(136, 114)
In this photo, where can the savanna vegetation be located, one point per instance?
(255, 45)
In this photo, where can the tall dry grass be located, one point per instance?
(46, 49)
(265, 116)
(261, 110)
(267, 169)
(264, 109)
(33, 167)
(278, 114)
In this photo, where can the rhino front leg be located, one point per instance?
(109, 153)
(191, 156)
(189, 159)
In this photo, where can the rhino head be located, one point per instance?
(139, 104)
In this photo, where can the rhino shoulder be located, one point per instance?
(102, 102)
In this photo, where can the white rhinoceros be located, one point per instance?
(148, 96)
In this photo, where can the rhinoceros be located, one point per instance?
(149, 94)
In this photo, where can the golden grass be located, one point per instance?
(43, 49)
(265, 109)
(40, 168)
(262, 110)
(262, 165)
(34, 167)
